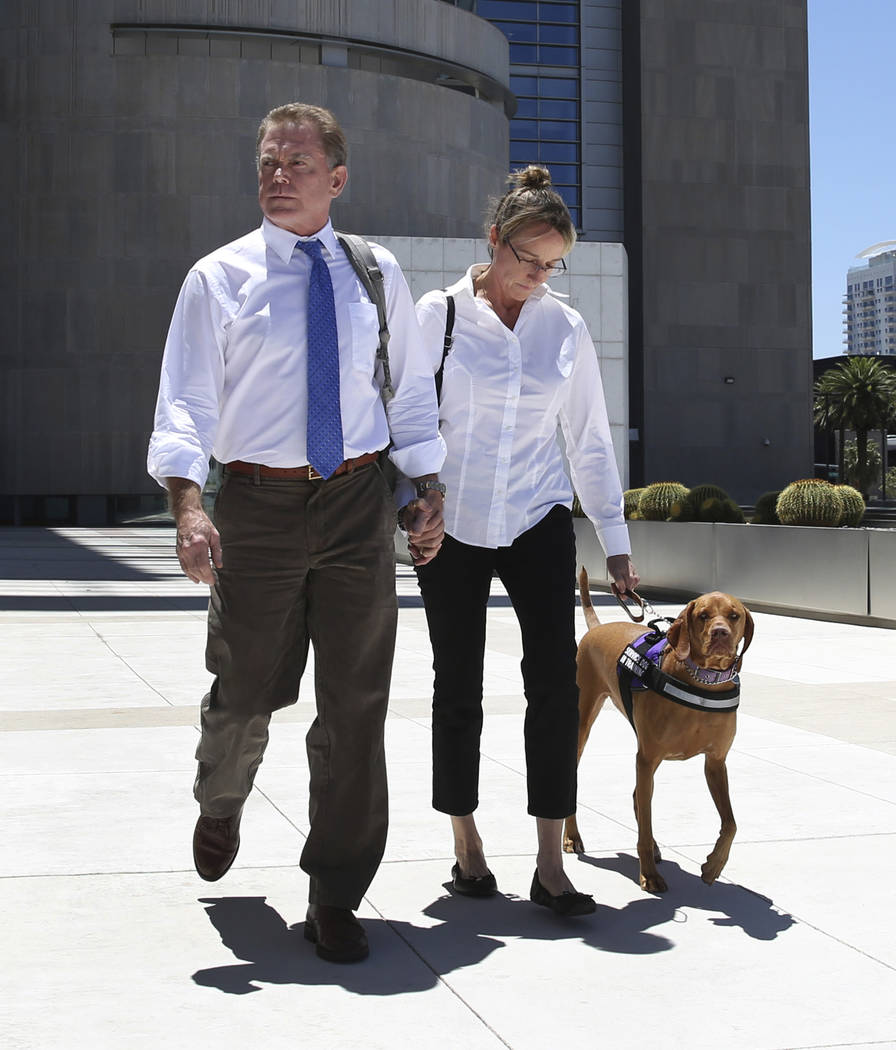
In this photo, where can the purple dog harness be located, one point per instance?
(638, 670)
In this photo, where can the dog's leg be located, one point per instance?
(588, 712)
(648, 853)
(717, 780)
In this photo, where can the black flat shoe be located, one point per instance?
(474, 885)
(567, 903)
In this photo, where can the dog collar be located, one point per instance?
(709, 675)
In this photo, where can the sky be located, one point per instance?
(852, 136)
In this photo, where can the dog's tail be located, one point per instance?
(590, 615)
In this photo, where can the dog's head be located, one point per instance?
(710, 630)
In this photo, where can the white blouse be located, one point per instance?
(504, 393)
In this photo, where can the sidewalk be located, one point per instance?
(112, 941)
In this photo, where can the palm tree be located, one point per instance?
(858, 394)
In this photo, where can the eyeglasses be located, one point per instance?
(550, 269)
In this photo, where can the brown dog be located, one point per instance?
(707, 634)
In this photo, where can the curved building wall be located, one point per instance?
(128, 152)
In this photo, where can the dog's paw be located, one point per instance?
(654, 883)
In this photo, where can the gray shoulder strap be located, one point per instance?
(366, 267)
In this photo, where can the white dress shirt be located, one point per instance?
(234, 372)
(503, 395)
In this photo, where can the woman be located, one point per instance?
(521, 363)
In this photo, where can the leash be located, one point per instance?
(644, 609)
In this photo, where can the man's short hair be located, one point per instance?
(331, 134)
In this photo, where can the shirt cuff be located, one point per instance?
(425, 457)
(614, 539)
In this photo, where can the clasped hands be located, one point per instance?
(425, 525)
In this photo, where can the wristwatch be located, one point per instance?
(430, 486)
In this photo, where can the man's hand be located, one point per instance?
(198, 542)
(425, 526)
(623, 573)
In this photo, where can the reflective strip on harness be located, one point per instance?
(638, 669)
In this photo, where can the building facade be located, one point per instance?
(676, 130)
(869, 306)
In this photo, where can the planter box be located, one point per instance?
(828, 572)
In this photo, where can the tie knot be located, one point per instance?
(312, 248)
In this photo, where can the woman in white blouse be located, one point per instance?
(521, 363)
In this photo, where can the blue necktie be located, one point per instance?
(324, 434)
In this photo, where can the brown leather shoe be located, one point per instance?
(216, 842)
(339, 937)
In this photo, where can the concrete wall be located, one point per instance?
(126, 155)
(724, 278)
(596, 284)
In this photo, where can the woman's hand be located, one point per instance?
(623, 573)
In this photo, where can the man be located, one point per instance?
(269, 366)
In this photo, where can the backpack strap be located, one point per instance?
(447, 344)
(366, 267)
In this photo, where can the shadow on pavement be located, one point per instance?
(754, 914)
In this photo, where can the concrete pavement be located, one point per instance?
(110, 940)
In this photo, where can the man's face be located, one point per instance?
(295, 185)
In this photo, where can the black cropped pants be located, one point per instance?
(538, 571)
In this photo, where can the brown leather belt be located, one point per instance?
(305, 473)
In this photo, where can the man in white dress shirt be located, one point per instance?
(295, 557)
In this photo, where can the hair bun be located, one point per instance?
(533, 177)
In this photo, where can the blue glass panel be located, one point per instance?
(566, 131)
(556, 87)
(524, 129)
(550, 55)
(526, 107)
(519, 31)
(565, 173)
(565, 152)
(523, 53)
(570, 195)
(561, 109)
(558, 34)
(574, 215)
(558, 12)
(524, 85)
(506, 9)
(521, 153)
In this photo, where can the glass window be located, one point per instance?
(558, 34)
(566, 152)
(566, 131)
(558, 12)
(555, 87)
(564, 173)
(520, 31)
(523, 53)
(526, 107)
(560, 109)
(570, 195)
(506, 9)
(556, 56)
(522, 153)
(524, 129)
(524, 85)
(574, 215)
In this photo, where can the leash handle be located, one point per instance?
(620, 597)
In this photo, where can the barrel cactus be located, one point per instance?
(657, 499)
(765, 512)
(853, 505)
(706, 503)
(630, 498)
(810, 501)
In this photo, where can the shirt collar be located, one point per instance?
(283, 242)
(464, 287)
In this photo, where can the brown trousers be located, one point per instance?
(305, 561)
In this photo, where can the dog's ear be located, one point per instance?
(748, 630)
(679, 634)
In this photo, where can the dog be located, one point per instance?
(706, 635)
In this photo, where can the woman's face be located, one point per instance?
(524, 261)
